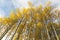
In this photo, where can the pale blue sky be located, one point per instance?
(7, 5)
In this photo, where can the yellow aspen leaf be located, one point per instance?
(0, 19)
(43, 14)
(36, 15)
(39, 24)
(48, 3)
(30, 4)
(12, 15)
(18, 13)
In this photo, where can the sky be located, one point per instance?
(7, 5)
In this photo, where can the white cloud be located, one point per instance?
(20, 3)
(24, 3)
(2, 13)
(55, 1)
